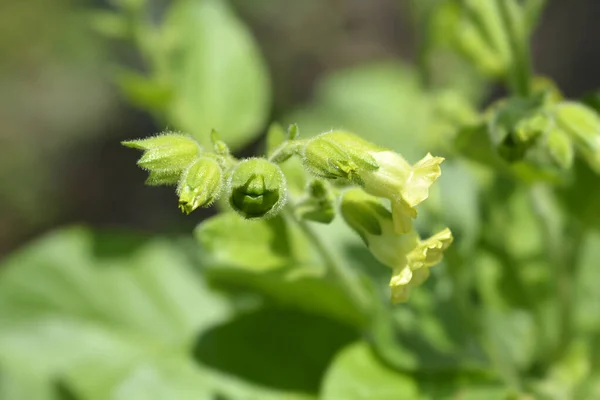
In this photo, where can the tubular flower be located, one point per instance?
(380, 172)
(404, 185)
(407, 255)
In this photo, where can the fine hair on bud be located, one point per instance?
(256, 189)
(200, 184)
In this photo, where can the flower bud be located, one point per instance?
(516, 125)
(200, 184)
(407, 255)
(257, 188)
(338, 155)
(582, 124)
(165, 156)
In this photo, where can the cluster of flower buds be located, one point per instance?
(256, 188)
(545, 130)
(407, 255)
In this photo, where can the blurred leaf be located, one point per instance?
(110, 24)
(456, 201)
(143, 91)
(460, 385)
(228, 239)
(582, 195)
(20, 385)
(276, 348)
(268, 257)
(381, 102)
(512, 335)
(74, 305)
(219, 79)
(587, 296)
(304, 288)
(356, 374)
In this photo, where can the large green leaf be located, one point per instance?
(356, 374)
(122, 317)
(269, 257)
(304, 288)
(219, 80)
(276, 348)
(95, 309)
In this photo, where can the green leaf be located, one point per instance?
(228, 239)
(281, 349)
(96, 308)
(582, 195)
(461, 385)
(18, 385)
(219, 79)
(268, 257)
(356, 374)
(144, 91)
(304, 288)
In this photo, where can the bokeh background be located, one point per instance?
(62, 117)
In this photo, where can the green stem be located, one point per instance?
(520, 68)
(349, 280)
(285, 151)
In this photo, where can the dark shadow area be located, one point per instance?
(283, 349)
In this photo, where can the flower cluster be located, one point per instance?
(256, 188)
(380, 172)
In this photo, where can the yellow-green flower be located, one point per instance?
(404, 185)
(407, 255)
(379, 171)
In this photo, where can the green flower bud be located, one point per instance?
(257, 188)
(338, 155)
(165, 156)
(200, 184)
(407, 255)
(516, 126)
(379, 171)
(364, 213)
(582, 124)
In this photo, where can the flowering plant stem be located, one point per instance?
(345, 276)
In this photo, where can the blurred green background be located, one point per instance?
(63, 117)
(115, 307)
